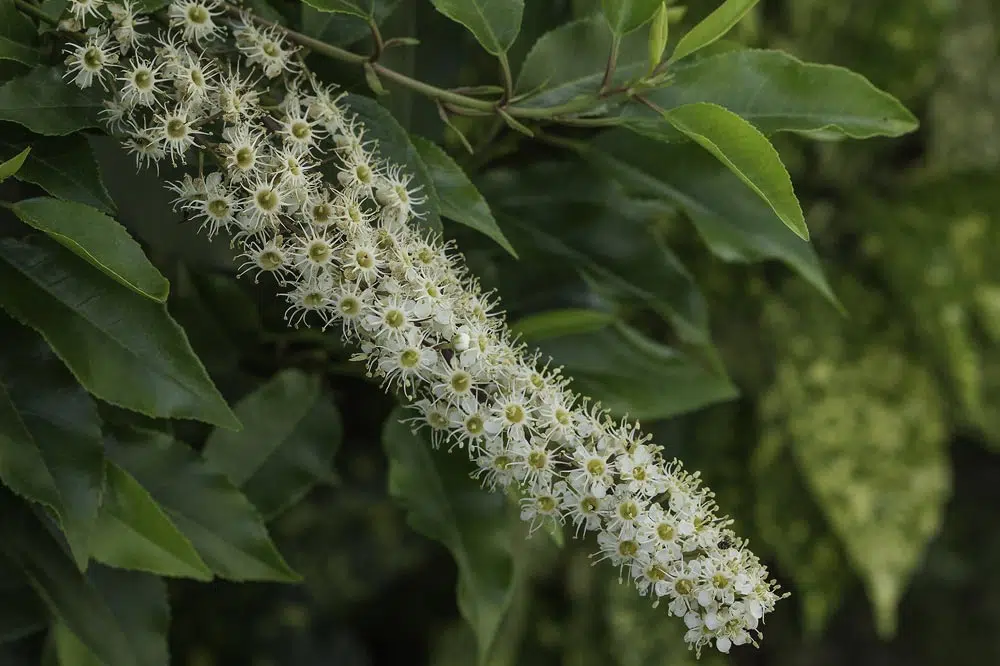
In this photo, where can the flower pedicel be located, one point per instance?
(352, 255)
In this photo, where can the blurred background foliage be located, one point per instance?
(855, 443)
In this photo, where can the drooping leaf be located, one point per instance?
(476, 526)
(11, 166)
(206, 507)
(777, 92)
(624, 16)
(395, 146)
(290, 433)
(50, 436)
(495, 23)
(460, 200)
(735, 223)
(569, 62)
(134, 532)
(98, 239)
(713, 27)
(45, 103)
(555, 323)
(139, 603)
(123, 347)
(629, 373)
(62, 166)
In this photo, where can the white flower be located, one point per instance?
(264, 256)
(264, 47)
(81, 9)
(195, 18)
(140, 83)
(175, 131)
(90, 60)
(126, 23)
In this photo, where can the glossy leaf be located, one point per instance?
(495, 23)
(712, 27)
(64, 167)
(631, 374)
(624, 16)
(777, 92)
(11, 166)
(45, 103)
(395, 146)
(134, 532)
(50, 436)
(735, 223)
(555, 323)
(97, 238)
(460, 200)
(206, 507)
(123, 347)
(444, 504)
(746, 152)
(291, 431)
(569, 62)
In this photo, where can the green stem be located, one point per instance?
(35, 12)
(609, 70)
(508, 78)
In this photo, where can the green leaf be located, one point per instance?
(629, 373)
(62, 166)
(17, 36)
(11, 166)
(341, 29)
(46, 104)
(476, 526)
(746, 152)
(70, 596)
(733, 221)
(362, 8)
(98, 239)
(11, 50)
(555, 323)
(219, 521)
(139, 604)
(133, 532)
(291, 432)
(460, 200)
(495, 23)
(714, 26)
(123, 347)
(50, 436)
(777, 92)
(22, 613)
(394, 146)
(569, 62)
(624, 16)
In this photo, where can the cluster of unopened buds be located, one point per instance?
(353, 254)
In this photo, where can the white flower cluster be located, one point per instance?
(348, 255)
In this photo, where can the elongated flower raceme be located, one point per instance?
(351, 254)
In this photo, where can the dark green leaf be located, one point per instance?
(361, 8)
(98, 239)
(11, 166)
(443, 503)
(460, 200)
(495, 23)
(46, 104)
(64, 167)
(50, 436)
(139, 603)
(557, 323)
(394, 145)
(17, 36)
(341, 29)
(624, 16)
(569, 62)
(629, 373)
(713, 27)
(220, 522)
(779, 93)
(123, 347)
(290, 433)
(22, 613)
(732, 220)
(133, 532)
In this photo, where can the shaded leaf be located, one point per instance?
(362, 8)
(555, 323)
(98, 239)
(629, 373)
(46, 104)
(17, 36)
(123, 347)
(22, 613)
(50, 436)
(220, 522)
(291, 432)
(133, 532)
(495, 23)
(460, 200)
(444, 504)
(712, 27)
(341, 29)
(624, 16)
(11, 166)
